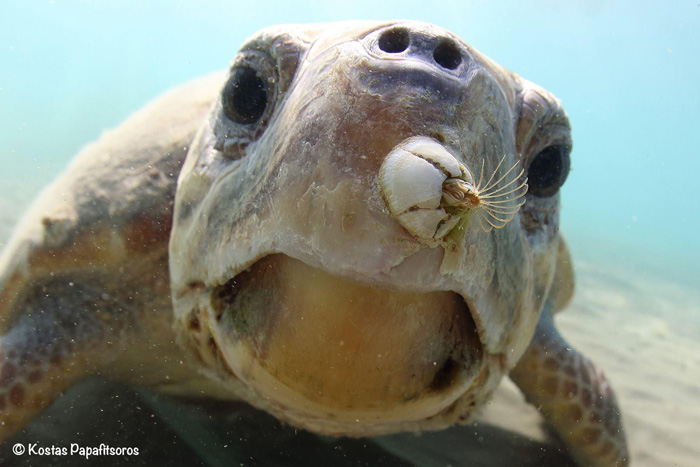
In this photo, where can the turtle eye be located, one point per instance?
(548, 171)
(244, 97)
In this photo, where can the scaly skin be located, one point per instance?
(574, 396)
(74, 326)
(43, 355)
(84, 282)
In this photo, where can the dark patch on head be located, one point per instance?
(388, 80)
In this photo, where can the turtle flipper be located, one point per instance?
(573, 395)
(56, 342)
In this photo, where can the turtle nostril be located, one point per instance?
(447, 55)
(394, 41)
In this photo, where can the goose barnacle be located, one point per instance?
(430, 192)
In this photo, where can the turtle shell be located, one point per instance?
(113, 204)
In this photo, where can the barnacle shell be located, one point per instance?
(420, 178)
(433, 152)
(410, 182)
(412, 178)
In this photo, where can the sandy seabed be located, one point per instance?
(645, 332)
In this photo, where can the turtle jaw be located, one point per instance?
(341, 357)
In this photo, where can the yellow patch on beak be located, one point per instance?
(317, 342)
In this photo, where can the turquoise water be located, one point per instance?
(626, 72)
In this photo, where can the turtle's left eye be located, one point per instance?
(548, 171)
(244, 97)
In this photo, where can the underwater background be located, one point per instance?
(626, 72)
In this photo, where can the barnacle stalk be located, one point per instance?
(494, 201)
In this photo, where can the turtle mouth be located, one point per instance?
(318, 346)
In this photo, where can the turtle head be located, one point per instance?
(353, 248)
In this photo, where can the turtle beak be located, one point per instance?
(322, 345)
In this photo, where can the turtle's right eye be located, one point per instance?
(244, 97)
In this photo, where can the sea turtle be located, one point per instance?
(336, 231)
